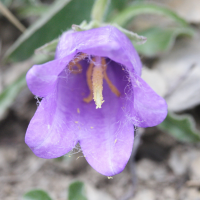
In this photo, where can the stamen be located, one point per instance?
(111, 86)
(97, 82)
(76, 71)
(89, 82)
(74, 62)
(95, 75)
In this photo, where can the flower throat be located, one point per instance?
(95, 74)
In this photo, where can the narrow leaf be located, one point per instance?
(8, 95)
(77, 191)
(60, 17)
(114, 7)
(181, 127)
(143, 8)
(36, 195)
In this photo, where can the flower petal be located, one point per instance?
(41, 79)
(51, 133)
(106, 136)
(108, 147)
(149, 108)
(104, 42)
(53, 130)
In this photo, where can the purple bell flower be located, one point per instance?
(92, 93)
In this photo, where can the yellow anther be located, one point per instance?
(110, 177)
(74, 63)
(78, 110)
(115, 140)
(76, 69)
(91, 127)
(76, 122)
(97, 83)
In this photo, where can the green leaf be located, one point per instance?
(59, 18)
(181, 127)
(77, 191)
(32, 10)
(160, 40)
(119, 4)
(99, 9)
(123, 17)
(9, 94)
(114, 7)
(36, 195)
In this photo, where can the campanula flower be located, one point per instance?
(92, 94)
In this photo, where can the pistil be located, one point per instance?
(95, 74)
(97, 83)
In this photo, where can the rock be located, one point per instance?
(169, 193)
(183, 159)
(147, 169)
(178, 162)
(189, 10)
(195, 168)
(150, 76)
(180, 68)
(193, 194)
(95, 194)
(160, 173)
(144, 169)
(189, 194)
(7, 156)
(145, 195)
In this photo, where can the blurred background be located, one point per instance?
(165, 164)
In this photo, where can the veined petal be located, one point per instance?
(104, 42)
(149, 108)
(106, 135)
(51, 133)
(41, 79)
(108, 147)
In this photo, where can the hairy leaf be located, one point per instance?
(181, 127)
(77, 191)
(36, 195)
(160, 40)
